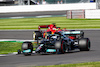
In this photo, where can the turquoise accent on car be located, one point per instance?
(51, 50)
(27, 51)
(41, 45)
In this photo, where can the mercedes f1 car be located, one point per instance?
(56, 40)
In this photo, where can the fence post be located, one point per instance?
(83, 14)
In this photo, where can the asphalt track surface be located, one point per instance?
(52, 59)
(31, 14)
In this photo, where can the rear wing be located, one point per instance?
(43, 26)
(72, 32)
(47, 26)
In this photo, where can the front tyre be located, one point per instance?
(84, 44)
(27, 48)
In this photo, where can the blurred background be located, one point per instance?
(40, 2)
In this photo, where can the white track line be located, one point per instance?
(14, 53)
(2, 55)
(44, 16)
(15, 17)
(16, 40)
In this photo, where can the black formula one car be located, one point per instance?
(58, 43)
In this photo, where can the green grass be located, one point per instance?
(88, 64)
(9, 47)
(33, 23)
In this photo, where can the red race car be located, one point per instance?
(72, 34)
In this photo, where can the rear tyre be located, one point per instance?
(37, 35)
(63, 47)
(60, 47)
(84, 44)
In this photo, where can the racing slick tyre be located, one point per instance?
(60, 47)
(27, 48)
(84, 44)
(37, 35)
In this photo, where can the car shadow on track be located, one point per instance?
(44, 54)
